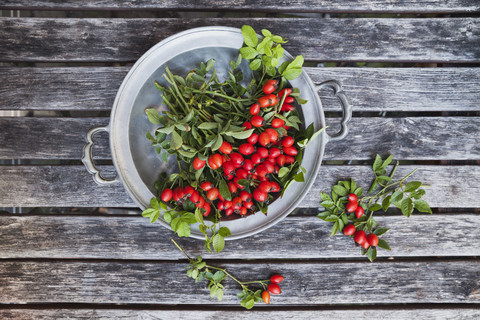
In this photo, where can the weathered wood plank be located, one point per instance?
(72, 186)
(257, 313)
(363, 39)
(370, 89)
(424, 6)
(414, 138)
(136, 238)
(166, 283)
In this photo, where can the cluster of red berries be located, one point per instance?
(263, 153)
(359, 236)
(272, 288)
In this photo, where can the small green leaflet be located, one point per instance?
(422, 206)
(218, 243)
(177, 140)
(153, 115)
(208, 125)
(249, 36)
(223, 189)
(240, 134)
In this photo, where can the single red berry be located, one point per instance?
(242, 211)
(195, 197)
(269, 166)
(255, 109)
(288, 141)
(349, 230)
(281, 160)
(225, 148)
(291, 151)
(215, 161)
(212, 194)
(257, 121)
(272, 99)
(248, 165)
(237, 203)
(253, 138)
(277, 123)
(247, 125)
(167, 195)
(228, 168)
(263, 139)
(259, 195)
(265, 186)
(246, 149)
(360, 237)
(227, 204)
(220, 205)
(274, 288)
(178, 194)
(198, 164)
(188, 191)
(270, 86)
(286, 92)
(287, 107)
(266, 296)
(275, 186)
(273, 152)
(359, 212)
(237, 159)
(262, 152)
(245, 196)
(352, 197)
(351, 206)
(261, 170)
(256, 158)
(273, 134)
(264, 102)
(372, 239)
(289, 159)
(365, 245)
(229, 211)
(207, 208)
(241, 173)
(200, 203)
(206, 185)
(232, 187)
(289, 99)
(248, 204)
(276, 278)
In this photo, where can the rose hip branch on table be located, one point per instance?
(239, 143)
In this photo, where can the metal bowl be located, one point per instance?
(138, 165)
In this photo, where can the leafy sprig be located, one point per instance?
(199, 270)
(383, 192)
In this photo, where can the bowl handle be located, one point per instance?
(87, 158)
(346, 108)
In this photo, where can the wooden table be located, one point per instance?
(72, 249)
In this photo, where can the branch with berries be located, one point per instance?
(353, 213)
(199, 270)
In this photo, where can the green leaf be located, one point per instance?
(208, 125)
(282, 67)
(380, 231)
(219, 294)
(397, 196)
(224, 232)
(358, 192)
(371, 254)
(383, 244)
(153, 115)
(377, 164)
(334, 229)
(177, 140)
(296, 63)
(271, 71)
(248, 303)
(240, 134)
(187, 154)
(188, 217)
(387, 162)
(412, 185)
(218, 143)
(150, 137)
(248, 53)
(407, 207)
(422, 206)
(324, 196)
(255, 64)
(224, 191)
(166, 130)
(249, 36)
(384, 179)
(198, 215)
(266, 33)
(327, 204)
(210, 64)
(375, 207)
(299, 177)
(331, 218)
(283, 171)
(417, 194)
(148, 212)
(218, 243)
(386, 203)
(291, 74)
(338, 189)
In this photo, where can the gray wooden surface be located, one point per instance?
(357, 39)
(418, 98)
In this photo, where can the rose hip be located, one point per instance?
(167, 195)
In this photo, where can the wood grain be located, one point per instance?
(413, 138)
(136, 238)
(369, 89)
(424, 6)
(71, 186)
(166, 283)
(362, 39)
(257, 313)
